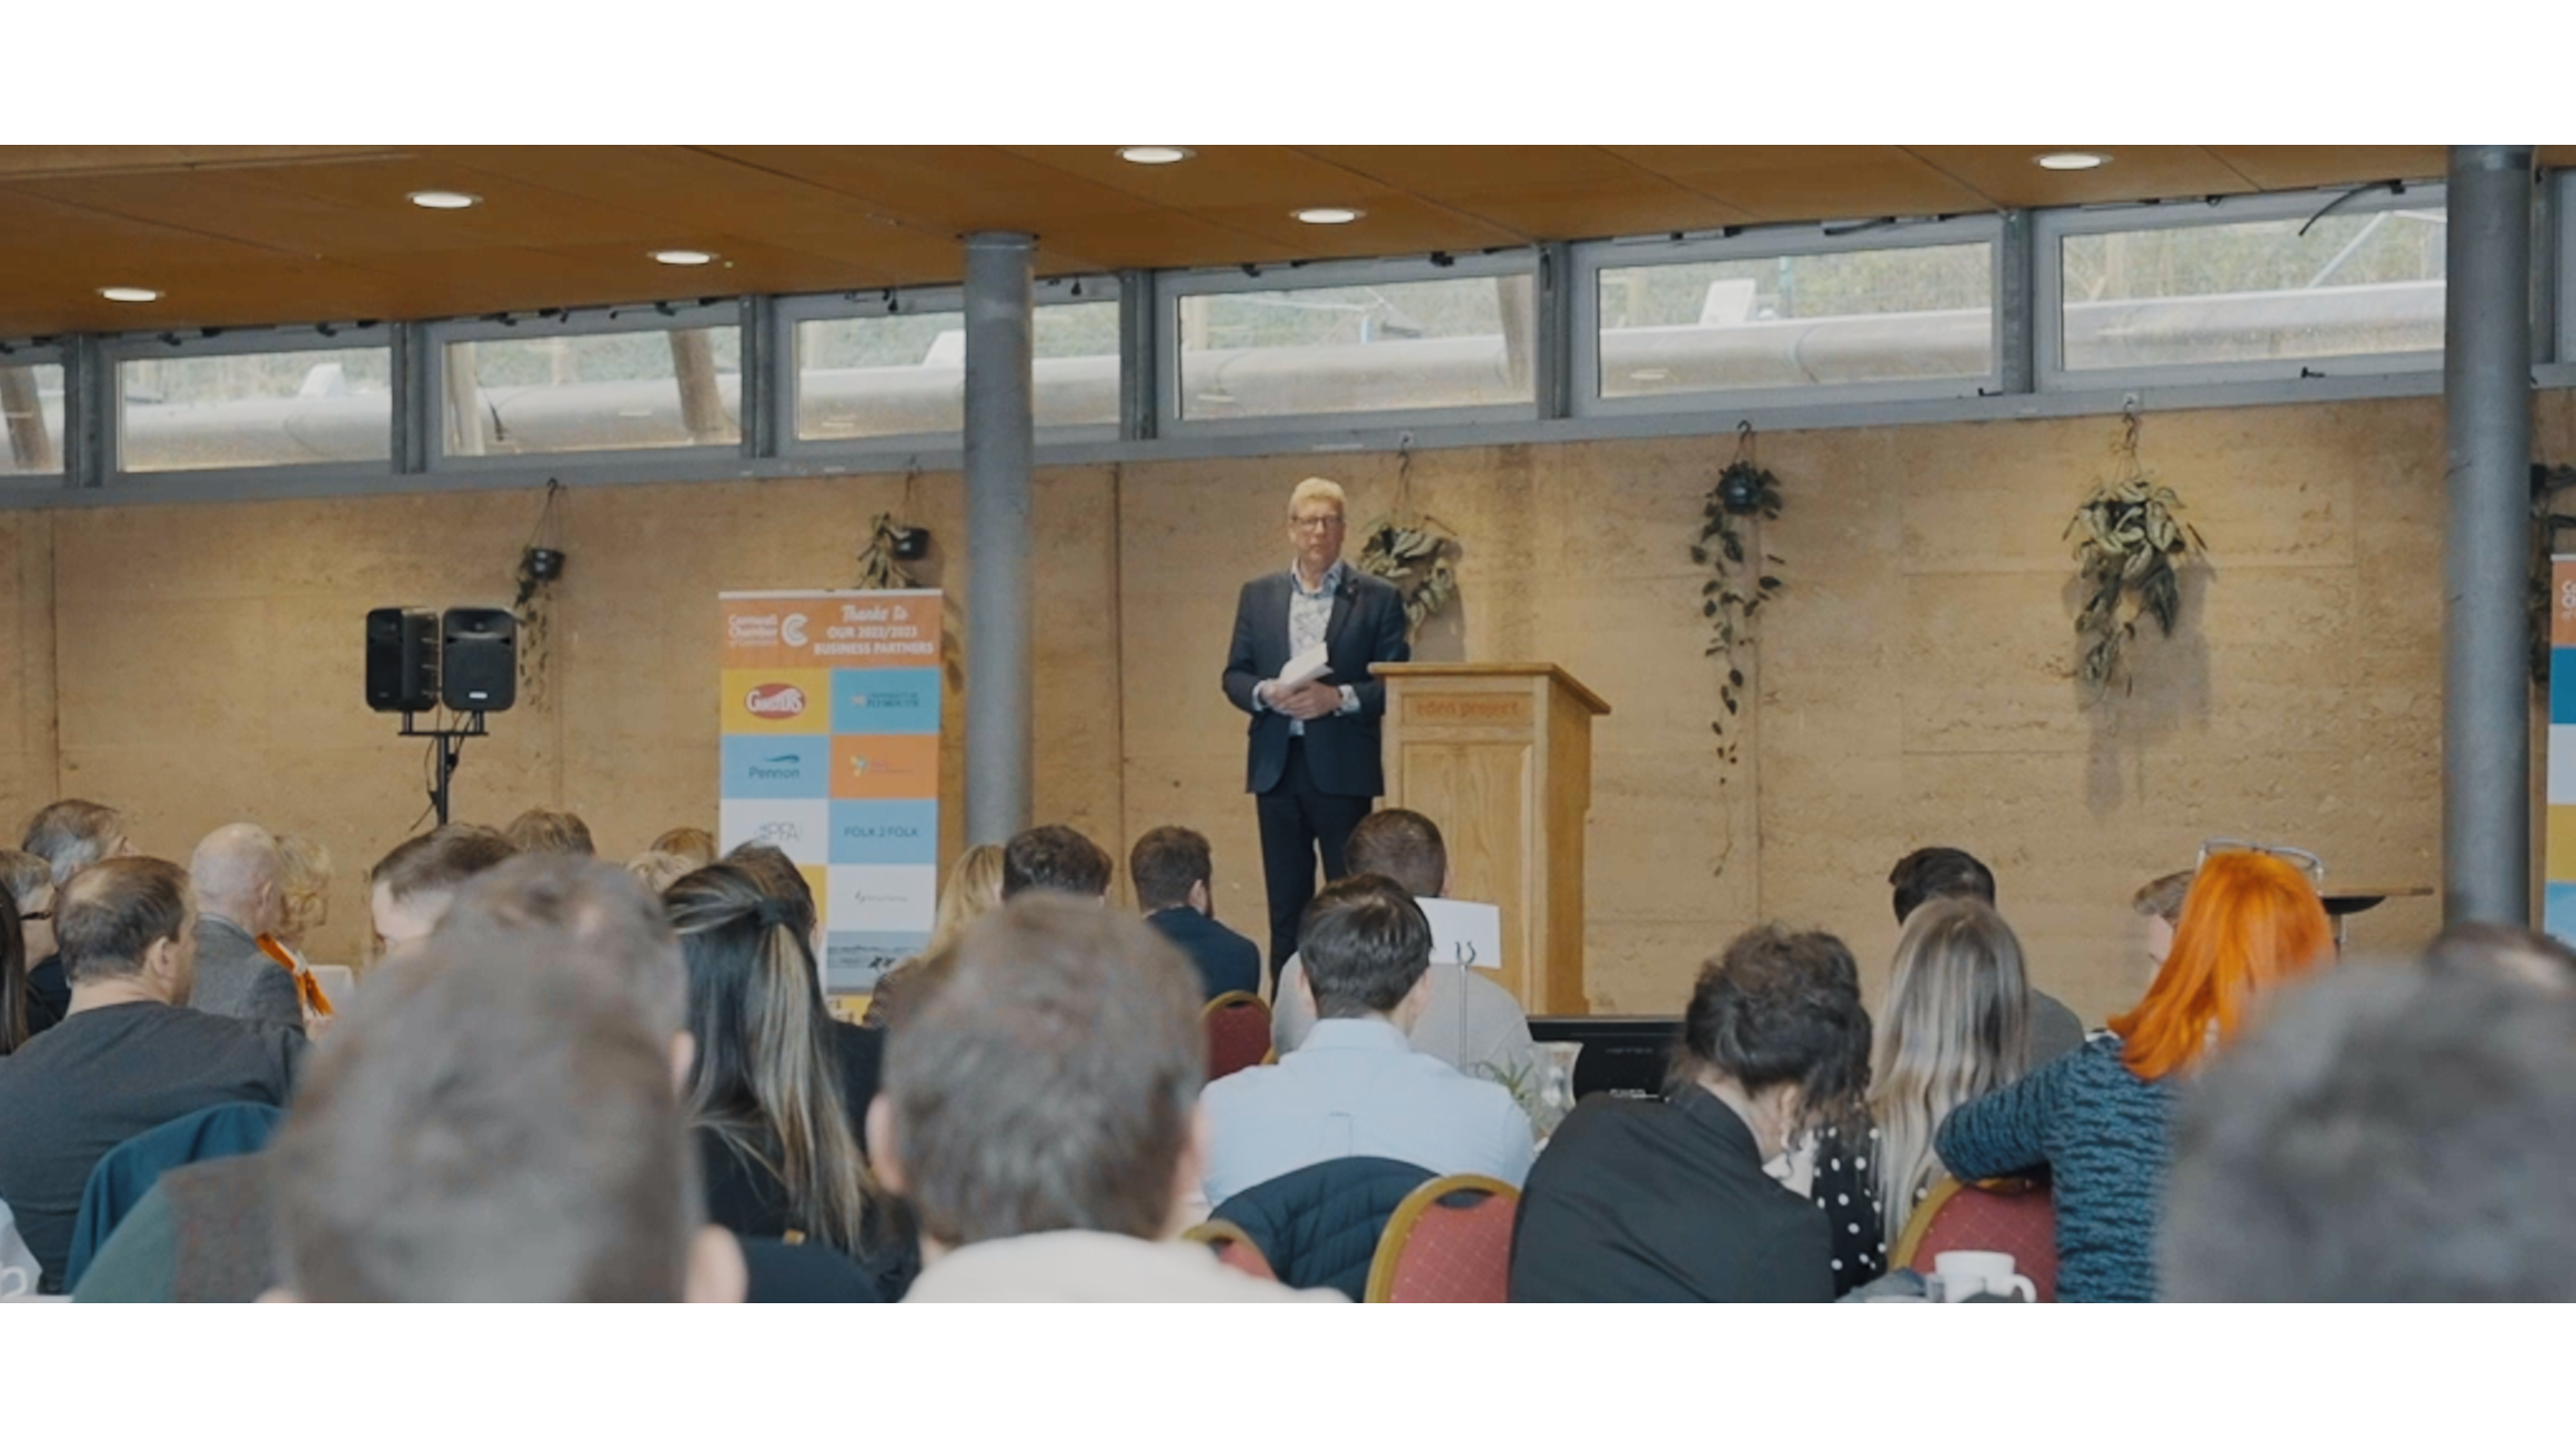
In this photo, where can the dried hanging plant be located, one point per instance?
(878, 565)
(1412, 550)
(2550, 525)
(1744, 495)
(541, 562)
(2130, 545)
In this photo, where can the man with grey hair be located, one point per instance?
(2387, 1135)
(1313, 769)
(67, 835)
(238, 874)
(1040, 1115)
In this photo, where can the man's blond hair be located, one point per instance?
(1314, 488)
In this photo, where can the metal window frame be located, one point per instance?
(2051, 229)
(1171, 287)
(639, 317)
(1592, 258)
(790, 313)
(46, 354)
(114, 351)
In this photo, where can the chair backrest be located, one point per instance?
(1232, 1248)
(235, 1128)
(1436, 1297)
(1238, 1032)
(2018, 1217)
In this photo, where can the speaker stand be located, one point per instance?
(451, 751)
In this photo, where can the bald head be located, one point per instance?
(237, 872)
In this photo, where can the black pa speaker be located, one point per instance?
(402, 660)
(479, 663)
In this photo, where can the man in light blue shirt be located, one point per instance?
(1357, 1087)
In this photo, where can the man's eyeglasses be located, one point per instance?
(1316, 524)
(35, 915)
(2315, 868)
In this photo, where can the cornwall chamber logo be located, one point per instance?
(774, 701)
(791, 630)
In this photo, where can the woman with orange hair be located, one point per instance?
(2099, 1118)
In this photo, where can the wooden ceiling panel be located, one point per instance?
(1394, 225)
(2012, 176)
(1811, 183)
(38, 233)
(1441, 172)
(964, 188)
(52, 160)
(1153, 239)
(1215, 176)
(1608, 208)
(2293, 168)
(671, 183)
(270, 293)
(880, 254)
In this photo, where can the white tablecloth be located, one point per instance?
(1788, 1402)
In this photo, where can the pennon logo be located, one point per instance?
(774, 701)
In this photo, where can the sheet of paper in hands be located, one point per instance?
(1308, 666)
(1465, 933)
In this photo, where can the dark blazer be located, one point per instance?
(1664, 1201)
(1318, 1226)
(1226, 961)
(1367, 627)
(236, 978)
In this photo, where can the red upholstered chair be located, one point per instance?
(1993, 1216)
(1232, 1248)
(1238, 1032)
(1436, 1297)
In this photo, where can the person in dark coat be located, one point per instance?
(1649, 1240)
(1172, 871)
(1312, 762)
(1319, 1225)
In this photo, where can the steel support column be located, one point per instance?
(2486, 383)
(1000, 439)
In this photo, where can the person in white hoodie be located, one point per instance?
(1041, 1121)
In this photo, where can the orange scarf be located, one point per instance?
(305, 985)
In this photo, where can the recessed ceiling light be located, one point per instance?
(813, 30)
(1329, 215)
(129, 294)
(678, 257)
(445, 200)
(1155, 155)
(2071, 160)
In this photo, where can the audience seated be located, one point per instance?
(29, 883)
(304, 906)
(810, 1315)
(496, 1126)
(778, 1150)
(656, 869)
(1039, 1116)
(1671, 1200)
(860, 1050)
(127, 1056)
(238, 875)
(2385, 1136)
(1469, 1021)
(1172, 870)
(973, 890)
(15, 1000)
(690, 843)
(1059, 858)
(2479, 947)
(412, 886)
(543, 831)
(1956, 1027)
(1357, 1087)
(1940, 872)
(2099, 1119)
(67, 835)
(2160, 902)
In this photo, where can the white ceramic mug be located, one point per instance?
(15, 1282)
(1965, 1274)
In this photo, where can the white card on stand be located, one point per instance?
(1464, 932)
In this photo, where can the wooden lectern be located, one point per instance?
(1500, 757)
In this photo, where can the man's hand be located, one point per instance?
(1306, 701)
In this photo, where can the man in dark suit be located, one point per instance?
(1314, 769)
(1171, 868)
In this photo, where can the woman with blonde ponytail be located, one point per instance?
(776, 1142)
(1956, 1027)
